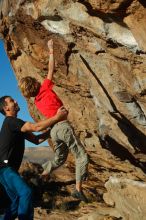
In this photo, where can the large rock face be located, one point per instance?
(100, 52)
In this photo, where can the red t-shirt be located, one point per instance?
(47, 100)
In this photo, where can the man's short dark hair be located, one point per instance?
(3, 104)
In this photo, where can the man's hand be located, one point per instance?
(62, 113)
(50, 45)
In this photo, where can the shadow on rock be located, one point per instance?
(135, 136)
(120, 151)
(50, 193)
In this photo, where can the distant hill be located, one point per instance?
(38, 154)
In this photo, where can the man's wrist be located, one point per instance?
(51, 51)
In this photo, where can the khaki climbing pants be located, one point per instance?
(64, 140)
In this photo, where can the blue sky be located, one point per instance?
(8, 86)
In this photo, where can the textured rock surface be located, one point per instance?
(100, 52)
(128, 196)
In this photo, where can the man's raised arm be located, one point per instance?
(51, 60)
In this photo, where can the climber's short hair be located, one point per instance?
(29, 86)
(3, 104)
